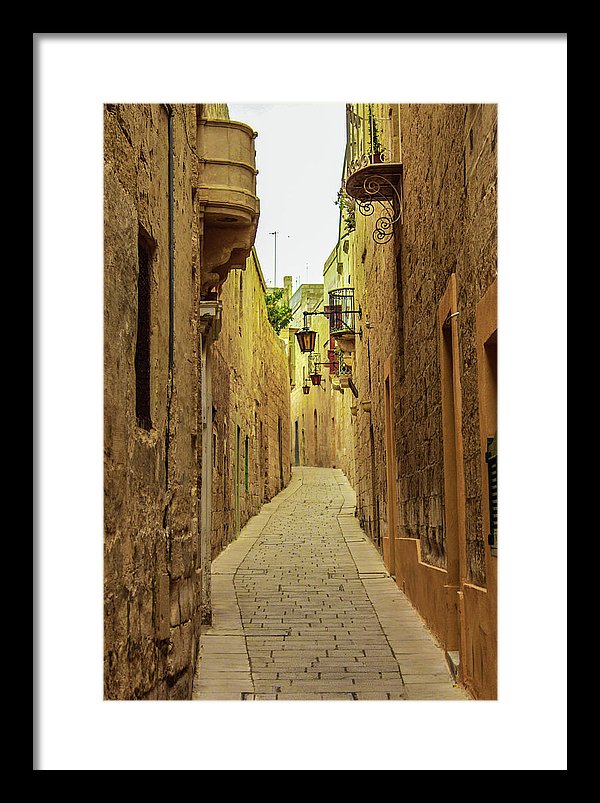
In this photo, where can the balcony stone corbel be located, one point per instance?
(224, 250)
(210, 313)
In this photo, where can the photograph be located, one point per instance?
(300, 429)
(287, 289)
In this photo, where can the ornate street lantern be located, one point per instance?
(313, 368)
(306, 339)
(305, 388)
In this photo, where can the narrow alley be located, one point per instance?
(300, 465)
(304, 609)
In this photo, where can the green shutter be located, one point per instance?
(491, 458)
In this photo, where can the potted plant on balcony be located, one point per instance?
(376, 148)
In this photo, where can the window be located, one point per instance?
(490, 376)
(146, 249)
(246, 462)
(487, 377)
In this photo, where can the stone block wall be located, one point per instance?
(151, 588)
(447, 229)
(375, 280)
(431, 244)
(251, 407)
(476, 272)
(450, 226)
(157, 268)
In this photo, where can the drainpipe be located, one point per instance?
(206, 471)
(209, 315)
(169, 109)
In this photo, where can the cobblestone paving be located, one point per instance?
(304, 609)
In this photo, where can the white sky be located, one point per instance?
(526, 75)
(299, 156)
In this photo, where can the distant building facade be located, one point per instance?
(321, 416)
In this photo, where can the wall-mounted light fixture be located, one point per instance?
(306, 337)
(313, 368)
(337, 316)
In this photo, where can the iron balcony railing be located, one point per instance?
(367, 137)
(370, 174)
(343, 368)
(341, 311)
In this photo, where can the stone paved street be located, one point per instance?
(304, 609)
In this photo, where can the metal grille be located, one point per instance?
(491, 458)
(340, 310)
(366, 135)
(343, 369)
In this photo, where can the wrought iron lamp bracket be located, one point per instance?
(328, 314)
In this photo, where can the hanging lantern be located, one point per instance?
(305, 389)
(306, 339)
(315, 378)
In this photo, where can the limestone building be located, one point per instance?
(420, 184)
(251, 407)
(322, 406)
(180, 216)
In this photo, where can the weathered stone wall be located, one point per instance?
(431, 244)
(476, 271)
(375, 279)
(150, 558)
(250, 392)
(161, 254)
(448, 226)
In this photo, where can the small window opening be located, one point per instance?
(146, 249)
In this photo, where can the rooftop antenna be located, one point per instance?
(275, 259)
(275, 233)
